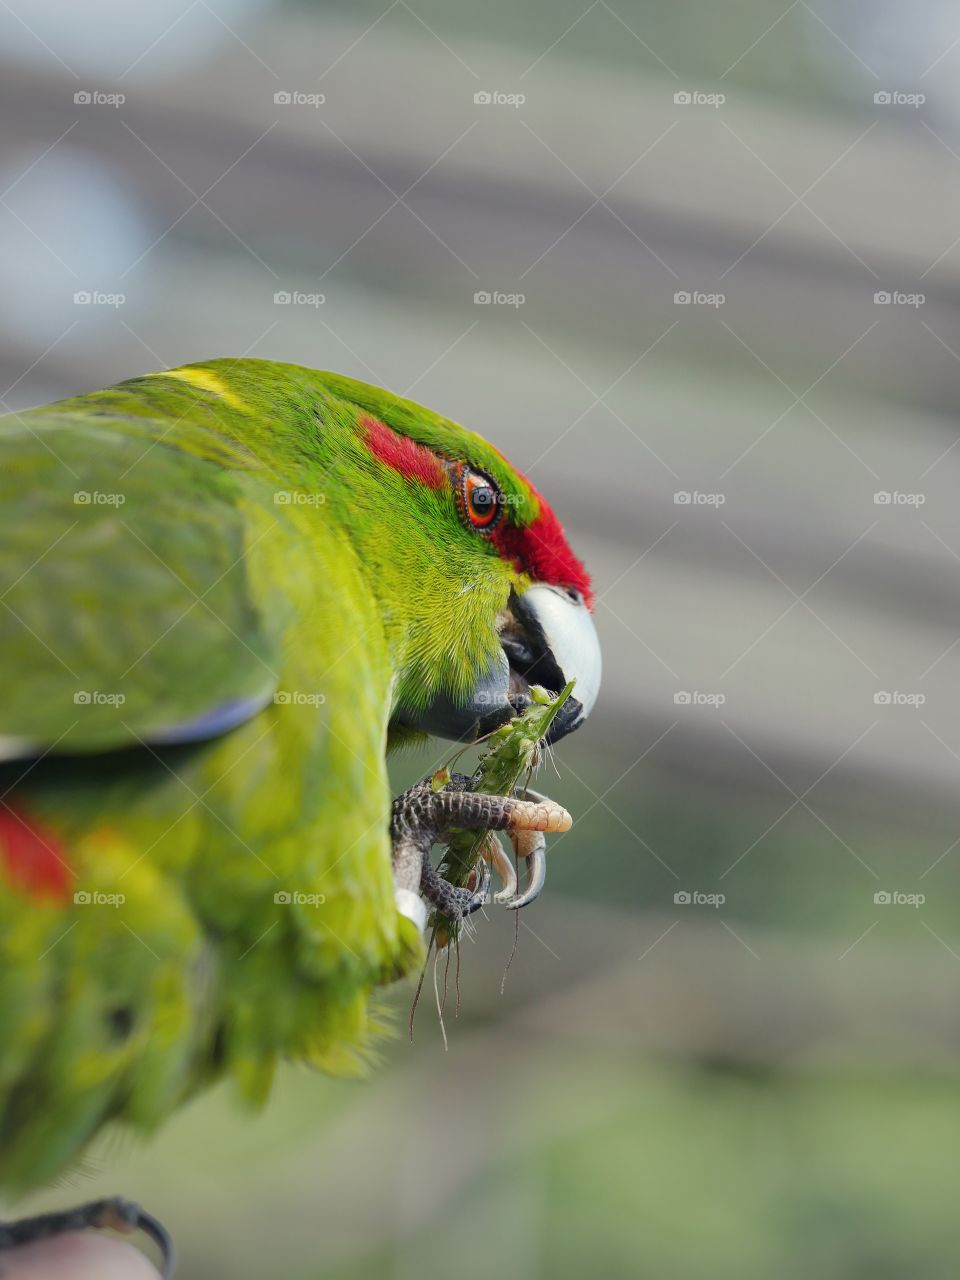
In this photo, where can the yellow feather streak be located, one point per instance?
(204, 380)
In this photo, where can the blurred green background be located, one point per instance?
(670, 1084)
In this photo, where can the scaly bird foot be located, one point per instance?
(423, 817)
(113, 1214)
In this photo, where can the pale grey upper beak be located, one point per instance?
(548, 639)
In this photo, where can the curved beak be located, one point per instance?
(547, 638)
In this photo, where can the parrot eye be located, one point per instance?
(480, 500)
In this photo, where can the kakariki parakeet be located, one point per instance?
(227, 590)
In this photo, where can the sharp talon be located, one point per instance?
(152, 1227)
(479, 893)
(537, 864)
(493, 851)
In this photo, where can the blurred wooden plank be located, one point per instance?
(500, 198)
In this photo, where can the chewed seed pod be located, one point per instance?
(513, 751)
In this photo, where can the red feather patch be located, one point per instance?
(413, 461)
(541, 550)
(34, 858)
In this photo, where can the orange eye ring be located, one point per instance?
(479, 499)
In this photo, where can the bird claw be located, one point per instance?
(478, 892)
(456, 902)
(494, 853)
(422, 816)
(113, 1214)
(530, 845)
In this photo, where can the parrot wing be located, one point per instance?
(126, 610)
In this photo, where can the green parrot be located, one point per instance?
(227, 591)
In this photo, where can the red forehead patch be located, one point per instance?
(541, 550)
(413, 461)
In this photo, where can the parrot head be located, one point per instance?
(494, 599)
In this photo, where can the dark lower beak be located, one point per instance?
(547, 638)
